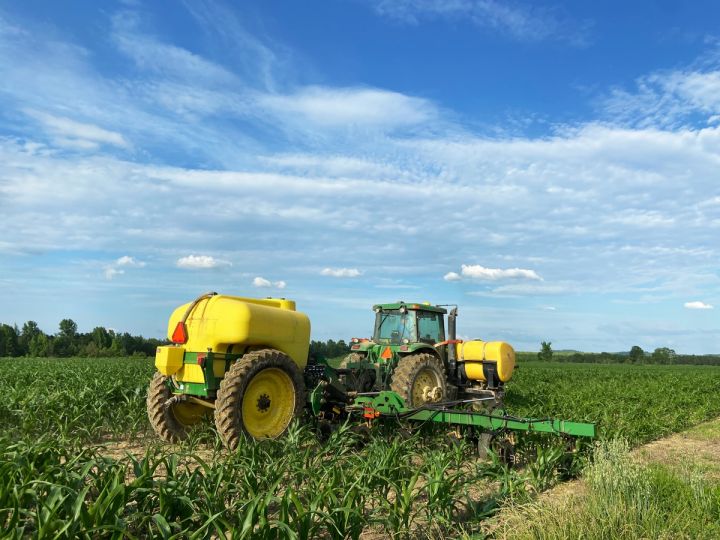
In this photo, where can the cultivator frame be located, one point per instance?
(389, 404)
(329, 403)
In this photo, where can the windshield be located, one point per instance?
(393, 327)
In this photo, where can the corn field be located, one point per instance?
(64, 473)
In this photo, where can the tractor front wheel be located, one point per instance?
(418, 379)
(170, 419)
(260, 395)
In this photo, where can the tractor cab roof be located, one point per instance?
(418, 306)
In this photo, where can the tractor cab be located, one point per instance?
(411, 354)
(402, 324)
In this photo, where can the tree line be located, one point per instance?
(30, 340)
(636, 355)
(329, 348)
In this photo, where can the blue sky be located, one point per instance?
(553, 168)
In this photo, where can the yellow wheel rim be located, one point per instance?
(424, 387)
(188, 414)
(268, 404)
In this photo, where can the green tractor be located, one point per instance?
(411, 354)
(245, 362)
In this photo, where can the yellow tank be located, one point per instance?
(474, 353)
(220, 322)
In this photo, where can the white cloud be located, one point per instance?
(153, 55)
(639, 218)
(257, 59)
(111, 272)
(523, 22)
(261, 282)
(343, 107)
(114, 269)
(194, 262)
(476, 271)
(698, 305)
(334, 166)
(126, 260)
(341, 272)
(668, 99)
(452, 276)
(517, 290)
(81, 135)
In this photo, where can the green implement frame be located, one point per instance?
(389, 404)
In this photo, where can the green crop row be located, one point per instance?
(295, 487)
(76, 397)
(92, 398)
(639, 403)
(57, 482)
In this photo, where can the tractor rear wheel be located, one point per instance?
(260, 395)
(419, 378)
(170, 420)
(358, 380)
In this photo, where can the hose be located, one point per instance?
(195, 303)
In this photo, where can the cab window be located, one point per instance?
(429, 327)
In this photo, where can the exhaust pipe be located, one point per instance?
(452, 336)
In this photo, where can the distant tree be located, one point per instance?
(68, 328)
(546, 352)
(101, 338)
(66, 341)
(342, 347)
(636, 354)
(29, 331)
(329, 348)
(40, 345)
(116, 346)
(9, 343)
(663, 355)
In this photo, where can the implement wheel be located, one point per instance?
(501, 445)
(419, 378)
(171, 421)
(259, 396)
(359, 380)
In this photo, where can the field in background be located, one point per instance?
(638, 402)
(55, 480)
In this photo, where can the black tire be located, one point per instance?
(229, 403)
(406, 377)
(165, 419)
(359, 380)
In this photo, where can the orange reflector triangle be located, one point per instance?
(180, 333)
(387, 353)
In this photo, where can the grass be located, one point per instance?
(625, 499)
(56, 481)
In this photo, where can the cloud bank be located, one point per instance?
(181, 155)
(200, 262)
(698, 305)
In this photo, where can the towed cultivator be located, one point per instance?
(246, 362)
